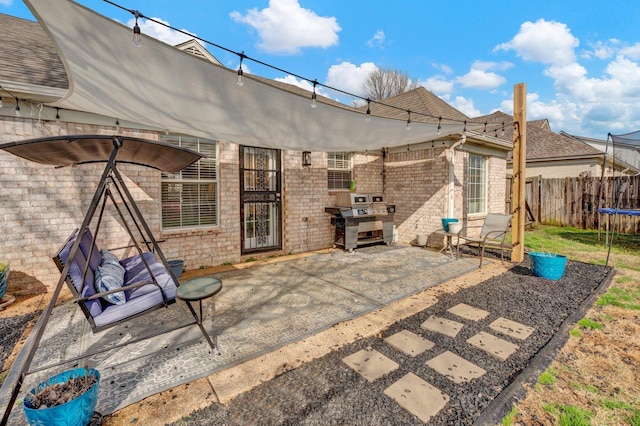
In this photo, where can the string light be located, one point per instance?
(368, 117)
(439, 125)
(0, 101)
(464, 130)
(241, 55)
(485, 127)
(502, 133)
(314, 102)
(58, 116)
(137, 36)
(117, 126)
(409, 120)
(240, 72)
(17, 107)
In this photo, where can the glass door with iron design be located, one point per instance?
(260, 206)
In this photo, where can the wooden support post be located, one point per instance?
(519, 171)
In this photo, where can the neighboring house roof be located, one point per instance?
(542, 143)
(196, 49)
(28, 56)
(418, 100)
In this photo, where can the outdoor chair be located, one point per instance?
(494, 229)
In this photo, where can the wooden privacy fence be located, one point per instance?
(574, 201)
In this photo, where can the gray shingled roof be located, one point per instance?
(418, 100)
(542, 143)
(28, 56)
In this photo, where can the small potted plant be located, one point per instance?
(4, 278)
(68, 398)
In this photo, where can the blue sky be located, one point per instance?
(580, 60)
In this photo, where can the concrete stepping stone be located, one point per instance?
(511, 328)
(469, 312)
(370, 364)
(409, 343)
(442, 325)
(417, 396)
(493, 345)
(455, 368)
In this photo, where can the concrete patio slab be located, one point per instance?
(417, 396)
(455, 368)
(493, 345)
(409, 343)
(442, 325)
(469, 312)
(511, 328)
(370, 364)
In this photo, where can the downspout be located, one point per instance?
(451, 155)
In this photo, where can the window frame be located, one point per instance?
(202, 166)
(480, 188)
(333, 168)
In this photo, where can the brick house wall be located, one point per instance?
(40, 205)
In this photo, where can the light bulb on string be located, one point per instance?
(314, 102)
(240, 82)
(17, 108)
(0, 101)
(502, 132)
(439, 126)
(58, 116)
(137, 36)
(409, 120)
(117, 126)
(368, 117)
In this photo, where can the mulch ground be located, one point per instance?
(326, 391)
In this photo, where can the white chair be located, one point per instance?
(494, 229)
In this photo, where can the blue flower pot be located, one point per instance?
(548, 265)
(76, 412)
(4, 281)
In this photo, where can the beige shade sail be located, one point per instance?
(82, 149)
(160, 86)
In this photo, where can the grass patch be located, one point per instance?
(251, 259)
(614, 404)
(548, 377)
(510, 417)
(616, 296)
(227, 263)
(588, 388)
(623, 280)
(590, 324)
(634, 419)
(570, 415)
(575, 333)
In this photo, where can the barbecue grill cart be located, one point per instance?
(361, 219)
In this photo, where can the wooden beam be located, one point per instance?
(519, 171)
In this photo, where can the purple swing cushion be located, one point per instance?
(110, 276)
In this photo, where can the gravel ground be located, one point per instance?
(326, 391)
(11, 329)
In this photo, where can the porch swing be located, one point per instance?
(149, 282)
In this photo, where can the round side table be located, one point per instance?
(196, 290)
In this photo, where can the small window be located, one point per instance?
(477, 187)
(339, 170)
(190, 197)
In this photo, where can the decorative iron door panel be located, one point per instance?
(260, 206)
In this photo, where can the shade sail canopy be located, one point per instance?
(632, 138)
(82, 149)
(160, 86)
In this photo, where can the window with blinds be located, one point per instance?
(190, 197)
(477, 187)
(339, 167)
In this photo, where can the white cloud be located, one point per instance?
(490, 66)
(632, 52)
(160, 32)
(465, 106)
(285, 27)
(602, 50)
(438, 85)
(349, 77)
(548, 42)
(479, 79)
(303, 84)
(6, 2)
(377, 40)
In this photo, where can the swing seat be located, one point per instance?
(142, 294)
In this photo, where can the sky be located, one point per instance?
(580, 60)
